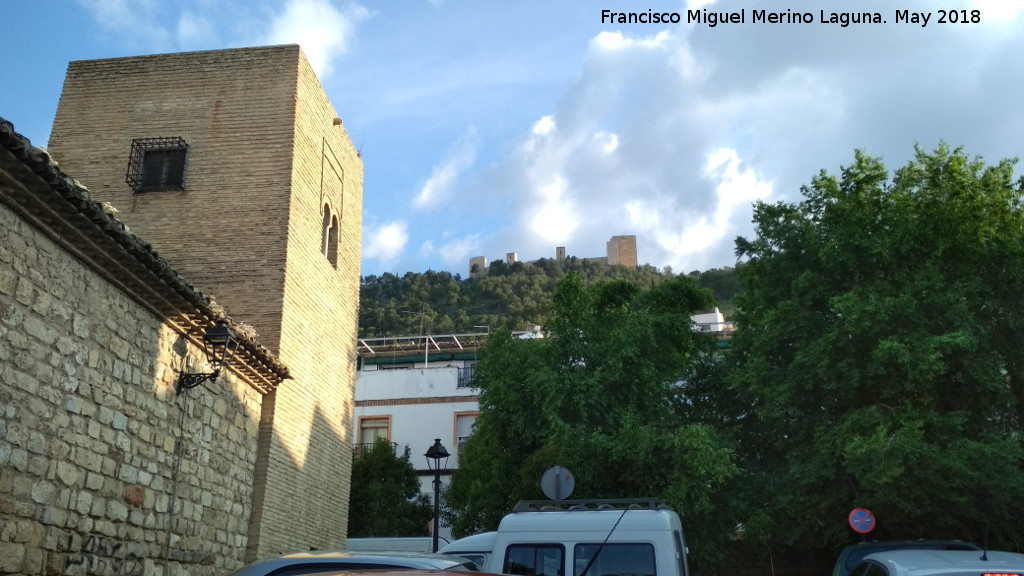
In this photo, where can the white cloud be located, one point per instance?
(554, 218)
(323, 31)
(194, 29)
(385, 242)
(136, 20)
(544, 126)
(606, 141)
(456, 253)
(439, 186)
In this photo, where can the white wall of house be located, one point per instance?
(419, 404)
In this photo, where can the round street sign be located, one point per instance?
(557, 483)
(862, 520)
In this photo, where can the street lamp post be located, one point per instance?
(434, 456)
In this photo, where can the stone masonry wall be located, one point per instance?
(89, 426)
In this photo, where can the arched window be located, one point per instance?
(332, 243)
(325, 233)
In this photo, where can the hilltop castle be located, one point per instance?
(621, 252)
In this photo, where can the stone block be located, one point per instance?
(117, 511)
(54, 516)
(43, 492)
(8, 280)
(73, 404)
(12, 557)
(35, 326)
(36, 443)
(68, 473)
(13, 315)
(83, 504)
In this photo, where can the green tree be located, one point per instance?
(385, 498)
(603, 394)
(878, 359)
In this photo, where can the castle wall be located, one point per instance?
(89, 428)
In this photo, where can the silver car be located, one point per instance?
(322, 561)
(940, 563)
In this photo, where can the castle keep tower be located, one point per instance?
(235, 166)
(622, 251)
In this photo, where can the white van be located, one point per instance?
(638, 537)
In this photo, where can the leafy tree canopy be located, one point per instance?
(512, 297)
(385, 498)
(878, 361)
(604, 395)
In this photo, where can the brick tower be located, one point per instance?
(235, 166)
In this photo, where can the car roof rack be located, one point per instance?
(591, 505)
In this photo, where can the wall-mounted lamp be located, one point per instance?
(220, 344)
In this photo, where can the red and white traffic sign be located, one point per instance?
(862, 520)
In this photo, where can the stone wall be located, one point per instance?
(89, 428)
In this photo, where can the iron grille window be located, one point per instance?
(157, 164)
(465, 376)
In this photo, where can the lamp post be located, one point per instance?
(434, 456)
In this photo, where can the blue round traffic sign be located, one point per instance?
(862, 520)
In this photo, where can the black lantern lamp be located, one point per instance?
(220, 344)
(434, 455)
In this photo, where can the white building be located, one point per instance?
(414, 389)
(713, 321)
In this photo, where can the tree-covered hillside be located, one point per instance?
(510, 296)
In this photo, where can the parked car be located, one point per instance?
(941, 563)
(477, 548)
(854, 553)
(324, 561)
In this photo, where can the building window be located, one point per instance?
(157, 164)
(329, 237)
(466, 374)
(332, 242)
(372, 428)
(464, 422)
(325, 230)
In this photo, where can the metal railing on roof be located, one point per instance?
(590, 504)
(388, 346)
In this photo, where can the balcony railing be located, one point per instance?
(358, 449)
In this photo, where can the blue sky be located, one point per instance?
(493, 127)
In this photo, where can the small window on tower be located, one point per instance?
(157, 164)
